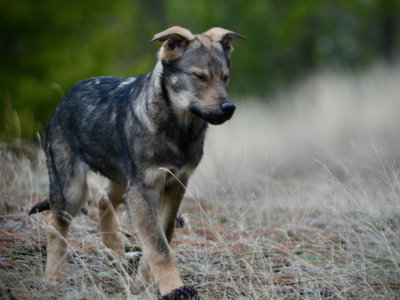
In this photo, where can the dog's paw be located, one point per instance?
(180, 221)
(186, 292)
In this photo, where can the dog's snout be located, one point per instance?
(228, 107)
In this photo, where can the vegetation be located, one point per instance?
(46, 46)
(299, 199)
(297, 196)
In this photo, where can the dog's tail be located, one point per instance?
(40, 206)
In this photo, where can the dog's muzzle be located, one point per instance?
(215, 117)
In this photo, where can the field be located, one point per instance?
(295, 199)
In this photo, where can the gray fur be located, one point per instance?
(127, 129)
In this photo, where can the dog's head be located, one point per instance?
(196, 71)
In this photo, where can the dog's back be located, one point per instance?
(89, 120)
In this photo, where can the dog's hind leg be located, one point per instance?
(56, 249)
(158, 257)
(67, 194)
(109, 225)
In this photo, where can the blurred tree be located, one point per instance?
(389, 24)
(46, 46)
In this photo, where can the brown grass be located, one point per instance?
(298, 199)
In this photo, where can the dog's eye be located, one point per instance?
(225, 78)
(201, 76)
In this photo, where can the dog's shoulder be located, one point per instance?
(98, 92)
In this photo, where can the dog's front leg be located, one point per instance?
(143, 206)
(171, 199)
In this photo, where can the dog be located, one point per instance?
(144, 134)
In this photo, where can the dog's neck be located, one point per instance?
(159, 99)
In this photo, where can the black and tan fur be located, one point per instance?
(130, 130)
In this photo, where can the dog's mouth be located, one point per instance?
(214, 118)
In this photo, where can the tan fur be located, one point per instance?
(159, 260)
(173, 36)
(165, 272)
(175, 30)
(154, 176)
(109, 225)
(213, 95)
(217, 34)
(167, 53)
(159, 268)
(170, 202)
(56, 250)
(223, 36)
(199, 71)
(76, 192)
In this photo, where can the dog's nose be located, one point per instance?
(228, 107)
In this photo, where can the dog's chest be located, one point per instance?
(169, 161)
(178, 153)
(173, 153)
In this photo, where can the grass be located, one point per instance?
(296, 199)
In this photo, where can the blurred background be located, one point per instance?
(46, 46)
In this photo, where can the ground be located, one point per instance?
(292, 201)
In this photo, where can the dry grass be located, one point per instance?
(299, 199)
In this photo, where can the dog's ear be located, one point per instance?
(176, 40)
(223, 36)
